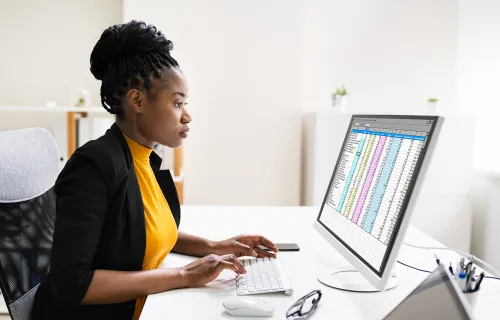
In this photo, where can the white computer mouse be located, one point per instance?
(245, 307)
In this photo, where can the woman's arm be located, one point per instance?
(243, 245)
(119, 286)
(109, 286)
(193, 246)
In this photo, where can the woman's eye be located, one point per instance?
(178, 104)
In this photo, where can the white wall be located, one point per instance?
(254, 67)
(478, 86)
(486, 219)
(45, 53)
(242, 60)
(479, 74)
(390, 54)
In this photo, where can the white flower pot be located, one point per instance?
(432, 107)
(343, 103)
(81, 97)
(339, 103)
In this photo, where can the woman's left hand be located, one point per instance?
(246, 245)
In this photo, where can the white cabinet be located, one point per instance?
(324, 135)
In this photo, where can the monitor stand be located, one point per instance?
(351, 280)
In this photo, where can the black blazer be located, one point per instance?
(99, 225)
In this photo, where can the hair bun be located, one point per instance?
(121, 40)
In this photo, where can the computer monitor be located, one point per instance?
(371, 195)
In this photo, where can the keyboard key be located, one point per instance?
(262, 276)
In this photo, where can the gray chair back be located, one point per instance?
(29, 165)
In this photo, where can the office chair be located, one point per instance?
(29, 165)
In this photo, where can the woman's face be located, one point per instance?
(163, 117)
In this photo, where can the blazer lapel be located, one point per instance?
(167, 186)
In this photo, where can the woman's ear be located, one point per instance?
(135, 100)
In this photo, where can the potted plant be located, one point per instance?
(81, 98)
(340, 98)
(432, 105)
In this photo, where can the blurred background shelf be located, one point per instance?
(74, 126)
(96, 109)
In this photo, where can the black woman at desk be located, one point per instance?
(117, 214)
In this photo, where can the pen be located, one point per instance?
(468, 267)
(471, 273)
(470, 276)
(481, 277)
(451, 269)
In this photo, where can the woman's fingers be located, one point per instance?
(263, 253)
(223, 264)
(245, 250)
(268, 243)
(233, 260)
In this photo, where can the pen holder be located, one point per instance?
(472, 298)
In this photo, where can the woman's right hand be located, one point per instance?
(206, 269)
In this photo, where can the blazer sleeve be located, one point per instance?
(81, 207)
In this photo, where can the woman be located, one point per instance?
(117, 214)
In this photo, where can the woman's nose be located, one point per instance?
(186, 118)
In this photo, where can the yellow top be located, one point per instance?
(161, 230)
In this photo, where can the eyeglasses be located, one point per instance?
(304, 306)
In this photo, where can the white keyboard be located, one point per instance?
(263, 275)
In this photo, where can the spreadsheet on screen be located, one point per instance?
(371, 181)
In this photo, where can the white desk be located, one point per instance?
(294, 224)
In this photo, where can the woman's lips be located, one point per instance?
(184, 133)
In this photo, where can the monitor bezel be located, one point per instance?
(379, 278)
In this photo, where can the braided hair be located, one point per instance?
(126, 56)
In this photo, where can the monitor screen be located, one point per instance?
(373, 178)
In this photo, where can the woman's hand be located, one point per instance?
(206, 269)
(246, 245)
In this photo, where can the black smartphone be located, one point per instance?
(286, 247)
